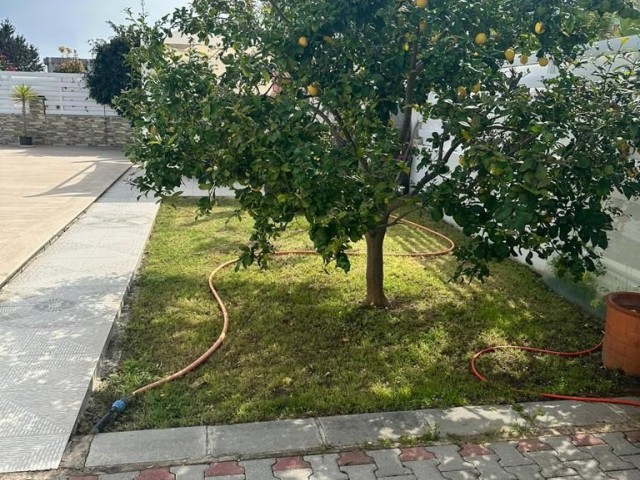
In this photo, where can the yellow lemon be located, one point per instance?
(543, 61)
(422, 3)
(509, 54)
(481, 39)
(462, 91)
(476, 88)
(303, 42)
(524, 59)
(405, 47)
(328, 39)
(539, 28)
(313, 90)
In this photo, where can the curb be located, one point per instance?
(284, 437)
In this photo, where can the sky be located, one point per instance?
(47, 24)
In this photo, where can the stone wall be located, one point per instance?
(46, 129)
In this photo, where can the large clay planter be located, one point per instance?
(621, 349)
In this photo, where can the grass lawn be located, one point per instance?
(301, 345)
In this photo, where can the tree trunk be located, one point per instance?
(375, 268)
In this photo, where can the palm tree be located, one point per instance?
(23, 93)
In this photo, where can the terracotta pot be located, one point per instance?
(621, 349)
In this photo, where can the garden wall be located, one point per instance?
(63, 114)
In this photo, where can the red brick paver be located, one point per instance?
(290, 463)
(532, 445)
(473, 450)
(156, 474)
(634, 436)
(586, 440)
(415, 454)
(220, 469)
(354, 458)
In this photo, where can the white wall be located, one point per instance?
(64, 93)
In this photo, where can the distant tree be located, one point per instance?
(15, 52)
(111, 72)
(71, 62)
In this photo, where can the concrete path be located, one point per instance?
(543, 440)
(57, 314)
(42, 189)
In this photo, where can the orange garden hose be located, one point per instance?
(120, 405)
(553, 396)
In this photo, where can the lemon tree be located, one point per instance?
(306, 107)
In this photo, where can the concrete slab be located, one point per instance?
(468, 421)
(146, 446)
(42, 189)
(563, 413)
(55, 320)
(263, 438)
(352, 430)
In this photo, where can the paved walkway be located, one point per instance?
(548, 440)
(42, 189)
(57, 314)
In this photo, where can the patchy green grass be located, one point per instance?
(300, 344)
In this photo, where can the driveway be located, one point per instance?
(42, 189)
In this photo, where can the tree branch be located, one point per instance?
(442, 160)
(334, 131)
(278, 9)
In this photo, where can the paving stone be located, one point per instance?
(466, 421)
(147, 446)
(489, 467)
(359, 472)
(461, 475)
(119, 476)
(633, 459)
(189, 472)
(388, 462)
(258, 469)
(550, 464)
(571, 477)
(625, 475)
(606, 458)
(618, 441)
(473, 450)
(526, 472)
(633, 436)
(586, 440)
(450, 459)
(325, 467)
(565, 448)
(219, 469)
(588, 469)
(532, 445)
(293, 474)
(570, 413)
(352, 430)
(264, 438)
(509, 454)
(354, 458)
(156, 474)
(91, 477)
(290, 463)
(425, 469)
(415, 454)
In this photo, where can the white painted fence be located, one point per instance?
(622, 259)
(63, 93)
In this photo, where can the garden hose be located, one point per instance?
(120, 405)
(553, 396)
